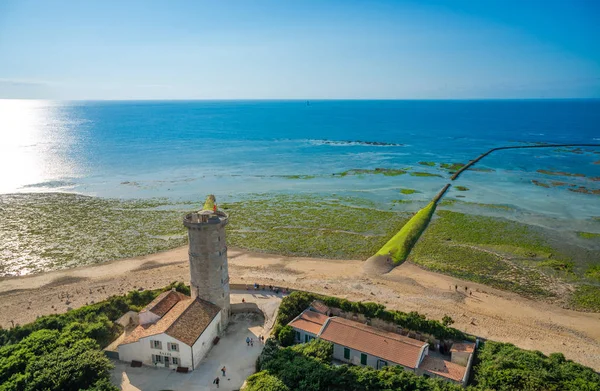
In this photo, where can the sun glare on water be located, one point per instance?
(35, 138)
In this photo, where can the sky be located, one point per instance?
(299, 49)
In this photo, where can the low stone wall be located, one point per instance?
(239, 308)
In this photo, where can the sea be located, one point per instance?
(183, 150)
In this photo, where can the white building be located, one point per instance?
(175, 331)
(359, 344)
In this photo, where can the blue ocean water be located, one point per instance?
(183, 150)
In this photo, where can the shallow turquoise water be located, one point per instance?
(184, 150)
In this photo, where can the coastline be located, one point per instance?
(488, 313)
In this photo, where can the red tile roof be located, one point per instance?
(185, 321)
(443, 368)
(309, 321)
(319, 306)
(164, 302)
(383, 344)
(463, 347)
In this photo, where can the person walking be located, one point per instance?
(251, 342)
(216, 381)
(247, 341)
(223, 370)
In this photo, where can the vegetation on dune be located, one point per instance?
(424, 174)
(400, 245)
(493, 251)
(586, 297)
(304, 225)
(408, 191)
(503, 366)
(293, 304)
(499, 366)
(63, 352)
(593, 272)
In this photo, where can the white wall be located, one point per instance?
(338, 354)
(204, 343)
(141, 351)
(302, 335)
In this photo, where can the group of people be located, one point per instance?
(217, 380)
(250, 340)
(466, 289)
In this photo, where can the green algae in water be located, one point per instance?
(44, 232)
(485, 250)
(452, 166)
(409, 191)
(424, 174)
(51, 231)
(461, 188)
(309, 225)
(430, 164)
(384, 171)
(588, 235)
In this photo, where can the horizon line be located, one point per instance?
(293, 99)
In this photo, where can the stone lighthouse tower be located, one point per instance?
(209, 275)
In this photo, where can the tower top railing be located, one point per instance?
(205, 217)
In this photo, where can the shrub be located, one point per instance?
(263, 381)
(286, 336)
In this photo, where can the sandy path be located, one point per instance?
(488, 312)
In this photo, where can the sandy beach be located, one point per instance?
(488, 313)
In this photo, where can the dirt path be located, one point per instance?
(488, 312)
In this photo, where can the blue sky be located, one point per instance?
(299, 49)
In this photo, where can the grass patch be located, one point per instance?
(586, 297)
(424, 174)
(408, 191)
(461, 188)
(400, 245)
(430, 164)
